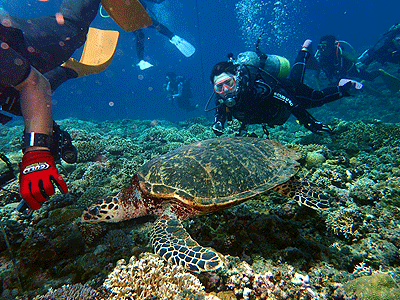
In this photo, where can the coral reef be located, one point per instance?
(70, 292)
(149, 277)
(374, 287)
(359, 236)
(282, 284)
(349, 223)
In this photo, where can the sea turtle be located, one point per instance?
(199, 178)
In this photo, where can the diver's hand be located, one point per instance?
(218, 128)
(318, 127)
(38, 176)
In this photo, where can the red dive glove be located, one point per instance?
(38, 176)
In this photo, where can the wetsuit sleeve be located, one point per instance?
(310, 98)
(180, 90)
(367, 57)
(308, 121)
(14, 68)
(220, 114)
(299, 111)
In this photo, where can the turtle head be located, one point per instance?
(105, 210)
(128, 204)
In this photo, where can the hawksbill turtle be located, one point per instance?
(200, 178)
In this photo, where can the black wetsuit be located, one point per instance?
(341, 65)
(42, 43)
(384, 51)
(263, 99)
(179, 89)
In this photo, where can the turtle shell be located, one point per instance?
(218, 172)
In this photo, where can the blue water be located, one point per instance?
(214, 28)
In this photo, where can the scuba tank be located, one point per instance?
(275, 65)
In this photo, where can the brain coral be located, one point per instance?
(150, 278)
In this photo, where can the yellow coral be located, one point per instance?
(150, 278)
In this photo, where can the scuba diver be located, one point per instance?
(35, 58)
(253, 95)
(178, 89)
(387, 49)
(337, 63)
(30, 48)
(183, 46)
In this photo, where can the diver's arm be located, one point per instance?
(35, 94)
(180, 90)
(308, 121)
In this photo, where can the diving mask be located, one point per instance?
(225, 84)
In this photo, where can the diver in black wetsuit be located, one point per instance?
(29, 49)
(178, 89)
(45, 42)
(337, 63)
(253, 96)
(387, 49)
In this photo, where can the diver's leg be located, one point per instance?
(139, 43)
(49, 41)
(143, 65)
(162, 29)
(299, 68)
(59, 75)
(80, 12)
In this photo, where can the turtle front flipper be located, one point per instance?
(171, 241)
(304, 192)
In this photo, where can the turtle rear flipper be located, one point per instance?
(171, 241)
(304, 192)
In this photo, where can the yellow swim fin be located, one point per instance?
(130, 15)
(392, 82)
(98, 52)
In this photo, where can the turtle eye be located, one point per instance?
(94, 210)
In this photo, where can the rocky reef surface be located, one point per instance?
(273, 248)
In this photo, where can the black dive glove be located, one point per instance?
(218, 128)
(318, 127)
(308, 121)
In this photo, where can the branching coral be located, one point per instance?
(349, 223)
(150, 278)
(248, 284)
(70, 292)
